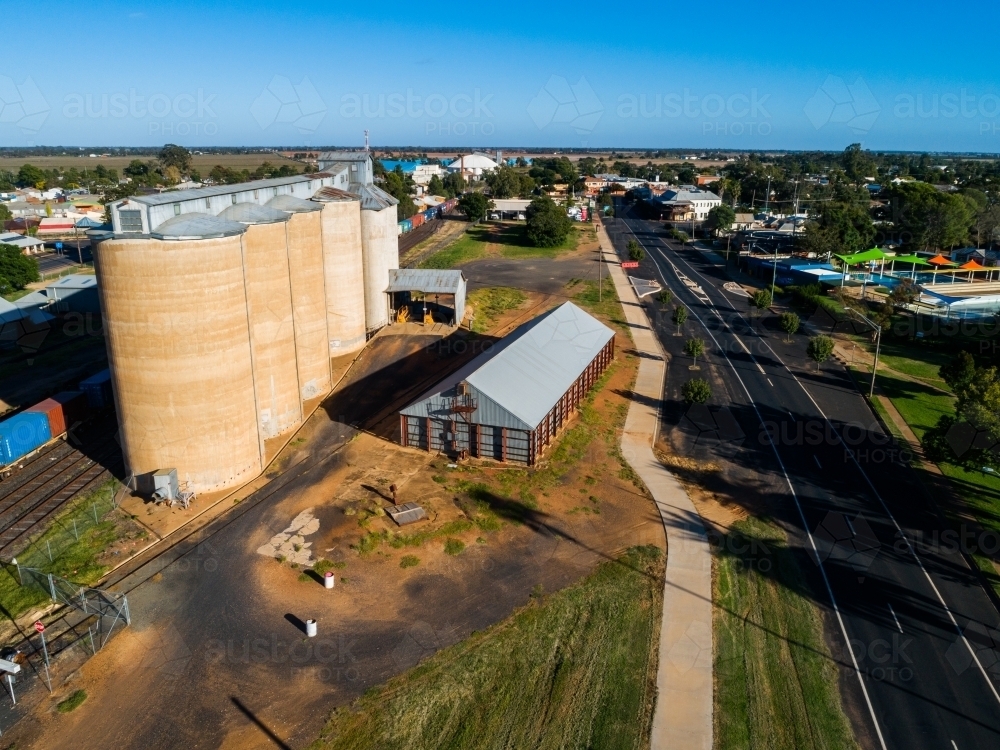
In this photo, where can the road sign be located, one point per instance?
(39, 626)
(630, 264)
(58, 246)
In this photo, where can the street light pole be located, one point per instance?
(878, 344)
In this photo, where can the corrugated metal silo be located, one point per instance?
(175, 316)
(269, 304)
(344, 273)
(305, 267)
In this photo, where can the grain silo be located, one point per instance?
(304, 232)
(380, 249)
(344, 273)
(269, 306)
(175, 317)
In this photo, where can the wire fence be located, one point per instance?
(56, 547)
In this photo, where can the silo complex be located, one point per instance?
(269, 305)
(344, 271)
(178, 338)
(224, 304)
(305, 269)
(380, 250)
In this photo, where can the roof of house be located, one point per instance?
(75, 281)
(687, 193)
(19, 240)
(428, 281)
(530, 369)
(473, 161)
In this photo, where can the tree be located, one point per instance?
(475, 206)
(696, 391)
(172, 175)
(454, 184)
(665, 296)
(400, 186)
(680, 315)
(694, 348)
(789, 323)
(720, 218)
(761, 299)
(17, 270)
(504, 182)
(635, 251)
(843, 227)
(959, 372)
(30, 176)
(547, 224)
(820, 348)
(904, 293)
(927, 218)
(858, 164)
(5, 214)
(173, 155)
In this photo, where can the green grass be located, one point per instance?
(409, 561)
(576, 669)
(72, 558)
(74, 701)
(491, 302)
(510, 241)
(599, 300)
(776, 682)
(465, 248)
(920, 405)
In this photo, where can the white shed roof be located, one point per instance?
(529, 370)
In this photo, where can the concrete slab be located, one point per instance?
(682, 717)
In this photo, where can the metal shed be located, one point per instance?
(432, 284)
(509, 402)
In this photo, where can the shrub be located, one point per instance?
(696, 391)
(75, 699)
(820, 348)
(409, 561)
(453, 546)
(789, 323)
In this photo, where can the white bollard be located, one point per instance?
(328, 580)
(311, 628)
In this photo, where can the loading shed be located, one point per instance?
(443, 292)
(511, 401)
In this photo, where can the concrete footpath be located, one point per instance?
(683, 714)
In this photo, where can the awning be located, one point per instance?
(865, 257)
(910, 259)
(940, 260)
(972, 266)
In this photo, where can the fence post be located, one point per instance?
(17, 565)
(52, 587)
(49, 548)
(94, 507)
(75, 532)
(128, 617)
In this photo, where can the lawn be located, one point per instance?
(574, 669)
(776, 682)
(503, 240)
(920, 405)
(491, 302)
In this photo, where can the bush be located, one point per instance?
(635, 251)
(696, 391)
(409, 561)
(820, 348)
(547, 223)
(453, 546)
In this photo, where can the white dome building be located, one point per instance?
(472, 164)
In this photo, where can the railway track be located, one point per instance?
(40, 488)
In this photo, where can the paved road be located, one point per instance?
(922, 670)
(51, 262)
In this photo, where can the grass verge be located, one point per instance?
(504, 240)
(491, 302)
(574, 669)
(776, 682)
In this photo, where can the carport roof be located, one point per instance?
(427, 281)
(529, 370)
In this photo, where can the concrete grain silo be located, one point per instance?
(380, 250)
(304, 232)
(269, 306)
(176, 324)
(344, 272)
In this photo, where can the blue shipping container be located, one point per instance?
(98, 389)
(22, 433)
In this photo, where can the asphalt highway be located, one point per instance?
(922, 669)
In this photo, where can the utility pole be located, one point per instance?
(767, 198)
(878, 344)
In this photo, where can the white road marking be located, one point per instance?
(848, 520)
(900, 627)
(817, 462)
(769, 381)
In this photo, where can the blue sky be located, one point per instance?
(915, 76)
